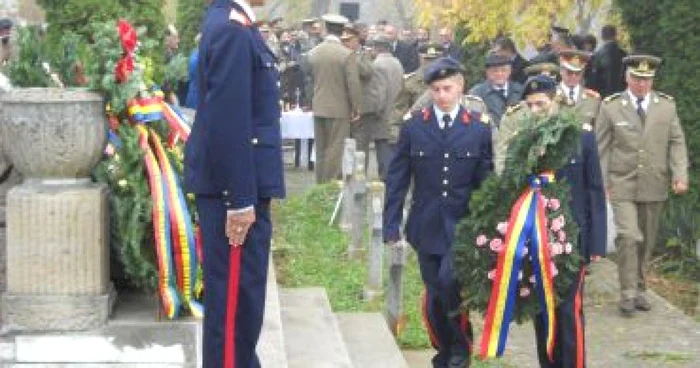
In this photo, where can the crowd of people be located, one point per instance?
(408, 95)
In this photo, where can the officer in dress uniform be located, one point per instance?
(643, 152)
(583, 174)
(233, 165)
(586, 102)
(445, 151)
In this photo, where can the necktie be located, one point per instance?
(571, 96)
(446, 123)
(640, 109)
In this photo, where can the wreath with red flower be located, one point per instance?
(542, 144)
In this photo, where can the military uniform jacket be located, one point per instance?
(587, 104)
(234, 149)
(444, 167)
(639, 159)
(337, 91)
(413, 88)
(494, 99)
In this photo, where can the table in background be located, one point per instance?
(299, 125)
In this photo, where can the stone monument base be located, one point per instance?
(57, 257)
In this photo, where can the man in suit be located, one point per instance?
(449, 47)
(233, 165)
(498, 92)
(337, 98)
(583, 174)
(405, 52)
(607, 70)
(506, 47)
(571, 91)
(390, 83)
(643, 152)
(445, 152)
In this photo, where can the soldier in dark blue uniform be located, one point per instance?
(584, 176)
(233, 164)
(445, 150)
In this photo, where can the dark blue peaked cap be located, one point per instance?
(442, 68)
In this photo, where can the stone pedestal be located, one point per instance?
(57, 257)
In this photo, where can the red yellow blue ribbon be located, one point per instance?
(170, 300)
(527, 231)
(144, 110)
(179, 128)
(181, 228)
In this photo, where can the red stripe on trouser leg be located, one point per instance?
(231, 307)
(426, 320)
(578, 312)
(464, 327)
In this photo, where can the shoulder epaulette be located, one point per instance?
(591, 93)
(409, 75)
(236, 16)
(668, 97)
(513, 108)
(473, 98)
(613, 97)
(588, 127)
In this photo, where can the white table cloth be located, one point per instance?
(298, 124)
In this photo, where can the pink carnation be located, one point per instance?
(496, 245)
(555, 271)
(568, 248)
(532, 279)
(502, 227)
(555, 248)
(481, 240)
(558, 223)
(524, 292)
(561, 236)
(545, 200)
(554, 204)
(492, 274)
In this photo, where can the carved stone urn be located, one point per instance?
(51, 134)
(57, 219)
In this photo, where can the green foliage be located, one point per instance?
(474, 56)
(308, 252)
(669, 28)
(26, 70)
(547, 145)
(189, 18)
(177, 69)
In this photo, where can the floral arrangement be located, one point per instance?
(516, 253)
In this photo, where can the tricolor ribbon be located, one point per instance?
(145, 110)
(527, 233)
(178, 126)
(161, 228)
(182, 231)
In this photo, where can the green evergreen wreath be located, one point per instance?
(541, 144)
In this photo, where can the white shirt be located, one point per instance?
(503, 88)
(439, 114)
(247, 9)
(645, 101)
(567, 91)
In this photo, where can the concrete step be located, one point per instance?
(270, 347)
(312, 334)
(369, 341)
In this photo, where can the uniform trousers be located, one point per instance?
(330, 135)
(234, 296)
(569, 334)
(637, 225)
(450, 331)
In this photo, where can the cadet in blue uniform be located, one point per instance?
(584, 176)
(233, 164)
(445, 151)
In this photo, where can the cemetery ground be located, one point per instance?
(308, 252)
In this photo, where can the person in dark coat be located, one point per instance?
(233, 165)
(498, 92)
(506, 47)
(587, 202)
(607, 74)
(449, 46)
(445, 151)
(404, 51)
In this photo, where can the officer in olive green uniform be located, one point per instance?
(586, 102)
(413, 88)
(509, 121)
(642, 152)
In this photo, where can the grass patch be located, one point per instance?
(308, 252)
(665, 357)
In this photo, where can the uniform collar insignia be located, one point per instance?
(426, 114)
(466, 117)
